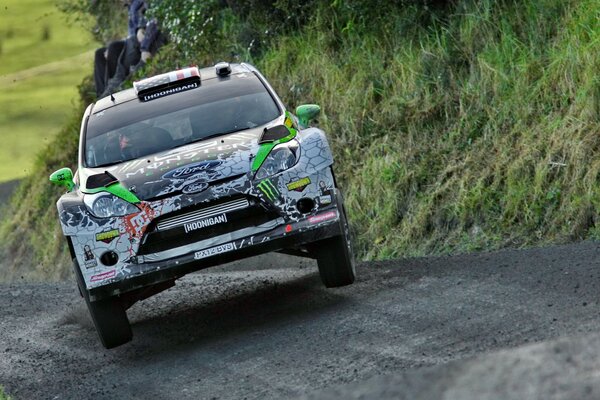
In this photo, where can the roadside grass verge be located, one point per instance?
(3, 395)
(478, 130)
(33, 247)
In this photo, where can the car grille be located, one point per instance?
(171, 230)
(207, 212)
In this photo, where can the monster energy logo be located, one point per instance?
(268, 189)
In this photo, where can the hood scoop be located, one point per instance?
(104, 179)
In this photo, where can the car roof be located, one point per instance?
(128, 95)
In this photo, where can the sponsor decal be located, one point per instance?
(135, 224)
(324, 200)
(103, 276)
(203, 223)
(61, 177)
(214, 250)
(87, 253)
(324, 189)
(107, 236)
(326, 216)
(192, 169)
(195, 187)
(169, 91)
(299, 185)
(268, 189)
(88, 257)
(288, 122)
(325, 197)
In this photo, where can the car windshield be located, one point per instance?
(136, 129)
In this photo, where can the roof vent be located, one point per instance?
(223, 69)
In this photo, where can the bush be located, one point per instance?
(106, 19)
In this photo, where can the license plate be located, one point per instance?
(223, 248)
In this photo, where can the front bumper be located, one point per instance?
(321, 226)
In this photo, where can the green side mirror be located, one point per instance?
(307, 112)
(63, 177)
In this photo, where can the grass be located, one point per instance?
(38, 79)
(23, 24)
(470, 127)
(34, 109)
(475, 131)
(3, 395)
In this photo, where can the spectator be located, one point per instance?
(114, 63)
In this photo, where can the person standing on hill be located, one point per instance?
(112, 64)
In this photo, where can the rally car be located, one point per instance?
(191, 169)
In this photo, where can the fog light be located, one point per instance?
(109, 258)
(305, 205)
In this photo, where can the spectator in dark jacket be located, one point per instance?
(136, 52)
(112, 64)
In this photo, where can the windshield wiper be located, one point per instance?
(221, 134)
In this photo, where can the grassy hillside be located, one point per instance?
(36, 32)
(42, 59)
(476, 128)
(456, 126)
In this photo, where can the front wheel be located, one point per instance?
(109, 316)
(335, 257)
(110, 320)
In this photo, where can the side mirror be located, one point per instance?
(63, 177)
(306, 113)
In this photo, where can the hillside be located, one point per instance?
(456, 126)
(42, 59)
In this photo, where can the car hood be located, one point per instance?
(186, 169)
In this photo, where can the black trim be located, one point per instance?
(71, 248)
(100, 180)
(274, 133)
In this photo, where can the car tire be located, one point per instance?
(109, 316)
(335, 257)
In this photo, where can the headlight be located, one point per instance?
(282, 157)
(104, 205)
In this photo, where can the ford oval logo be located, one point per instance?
(192, 169)
(195, 187)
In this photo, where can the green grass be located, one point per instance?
(38, 79)
(3, 395)
(22, 26)
(477, 131)
(34, 109)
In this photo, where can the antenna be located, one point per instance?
(112, 98)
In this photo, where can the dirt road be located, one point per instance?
(267, 328)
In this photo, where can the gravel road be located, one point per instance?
(508, 324)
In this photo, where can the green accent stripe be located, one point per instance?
(261, 155)
(265, 149)
(118, 190)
